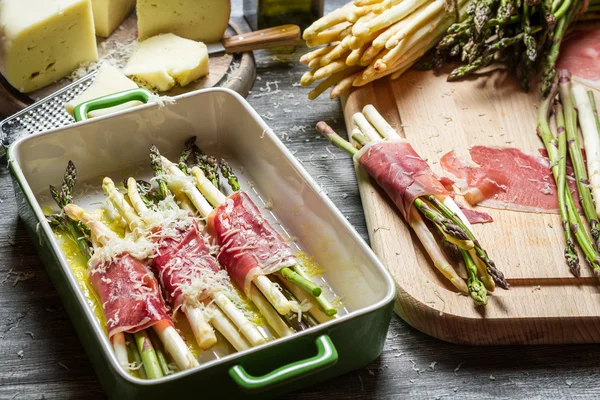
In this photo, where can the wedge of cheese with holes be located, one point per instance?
(108, 80)
(42, 41)
(201, 20)
(108, 14)
(165, 60)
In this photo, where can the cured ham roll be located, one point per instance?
(189, 274)
(249, 246)
(128, 290)
(129, 293)
(250, 249)
(400, 172)
(419, 195)
(180, 262)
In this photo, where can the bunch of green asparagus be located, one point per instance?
(568, 104)
(525, 34)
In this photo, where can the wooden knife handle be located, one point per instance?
(277, 36)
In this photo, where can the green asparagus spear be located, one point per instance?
(134, 355)
(496, 274)
(146, 350)
(581, 176)
(77, 231)
(228, 174)
(159, 173)
(557, 154)
(450, 230)
(160, 352)
(185, 155)
(477, 290)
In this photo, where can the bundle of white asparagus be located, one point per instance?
(369, 39)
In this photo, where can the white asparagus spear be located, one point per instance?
(197, 321)
(434, 251)
(366, 128)
(227, 329)
(120, 348)
(266, 286)
(382, 126)
(175, 346)
(266, 309)
(591, 140)
(388, 17)
(101, 236)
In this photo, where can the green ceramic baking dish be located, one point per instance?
(224, 122)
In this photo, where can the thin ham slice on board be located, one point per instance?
(405, 176)
(580, 54)
(129, 293)
(182, 261)
(504, 178)
(249, 246)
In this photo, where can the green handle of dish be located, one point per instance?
(116, 99)
(326, 357)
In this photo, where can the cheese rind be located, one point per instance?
(42, 41)
(201, 20)
(108, 80)
(164, 60)
(108, 14)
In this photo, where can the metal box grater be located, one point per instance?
(45, 114)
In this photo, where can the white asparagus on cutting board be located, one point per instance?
(591, 140)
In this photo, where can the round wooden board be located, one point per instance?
(236, 72)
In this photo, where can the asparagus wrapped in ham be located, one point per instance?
(180, 184)
(418, 194)
(250, 248)
(141, 347)
(573, 226)
(129, 292)
(190, 276)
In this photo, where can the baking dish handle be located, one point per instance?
(326, 356)
(81, 111)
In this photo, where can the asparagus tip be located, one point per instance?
(323, 128)
(564, 76)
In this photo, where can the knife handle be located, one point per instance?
(282, 35)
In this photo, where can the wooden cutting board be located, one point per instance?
(545, 303)
(234, 71)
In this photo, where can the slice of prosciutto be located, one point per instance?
(504, 178)
(184, 265)
(249, 246)
(129, 293)
(580, 54)
(400, 172)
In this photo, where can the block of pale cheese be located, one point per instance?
(108, 14)
(42, 41)
(108, 80)
(201, 20)
(164, 60)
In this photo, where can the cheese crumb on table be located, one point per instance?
(108, 81)
(42, 41)
(108, 14)
(201, 20)
(165, 60)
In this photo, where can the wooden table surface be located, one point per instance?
(41, 357)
